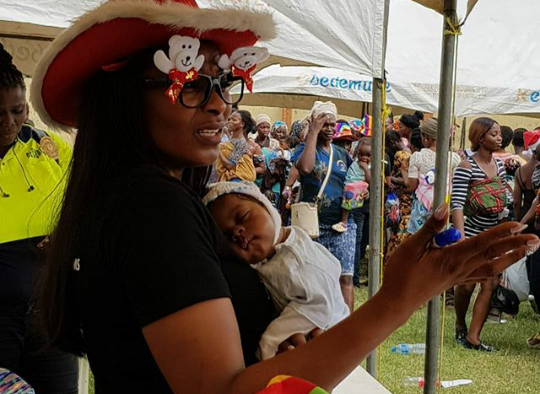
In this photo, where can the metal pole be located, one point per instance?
(446, 88)
(463, 134)
(376, 191)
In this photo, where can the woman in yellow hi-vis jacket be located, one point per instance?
(32, 174)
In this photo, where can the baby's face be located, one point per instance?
(364, 153)
(247, 225)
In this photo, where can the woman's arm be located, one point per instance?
(306, 162)
(531, 213)
(226, 163)
(198, 348)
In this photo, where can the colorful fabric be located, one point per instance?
(341, 245)
(279, 129)
(240, 148)
(393, 216)
(13, 384)
(486, 196)
(419, 216)
(353, 196)
(330, 204)
(283, 384)
(424, 191)
(343, 132)
(244, 168)
(297, 127)
(368, 126)
(401, 161)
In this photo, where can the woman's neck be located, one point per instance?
(325, 144)
(237, 134)
(484, 155)
(262, 138)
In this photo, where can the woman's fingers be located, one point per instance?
(415, 246)
(496, 266)
(502, 247)
(483, 241)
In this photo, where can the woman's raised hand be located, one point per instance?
(316, 123)
(416, 272)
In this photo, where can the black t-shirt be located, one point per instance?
(160, 251)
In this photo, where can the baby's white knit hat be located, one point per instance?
(248, 189)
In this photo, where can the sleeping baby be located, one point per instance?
(301, 275)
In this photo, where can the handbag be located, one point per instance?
(306, 214)
(505, 300)
(486, 197)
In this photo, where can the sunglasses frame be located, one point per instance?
(215, 82)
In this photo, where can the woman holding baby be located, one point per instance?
(139, 277)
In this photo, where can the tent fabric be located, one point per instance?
(343, 33)
(497, 63)
(346, 85)
(498, 58)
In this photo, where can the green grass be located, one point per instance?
(514, 369)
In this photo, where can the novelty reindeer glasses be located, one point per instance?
(184, 62)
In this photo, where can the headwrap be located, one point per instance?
(261, 118)
(326, 107)
(248, 189)
(279, 125)
(297, 127)
(429, 128)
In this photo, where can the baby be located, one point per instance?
(357, 183)
(301, 276)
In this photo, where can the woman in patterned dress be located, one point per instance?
(400, 157)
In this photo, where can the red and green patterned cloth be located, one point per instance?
(486, 197)
(283, 384)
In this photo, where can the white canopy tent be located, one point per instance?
(303, 33)
(496, 74)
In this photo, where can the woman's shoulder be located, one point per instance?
(148, 185)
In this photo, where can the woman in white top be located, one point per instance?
(420, 177)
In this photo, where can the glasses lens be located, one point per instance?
(228, 82)
(195, 93)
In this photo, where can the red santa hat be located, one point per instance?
(104, 37)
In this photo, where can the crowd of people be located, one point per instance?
(163, 245)
(409, 163)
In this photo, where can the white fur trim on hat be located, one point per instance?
(248, 189)
(324, 107)
(169, 13)
(261, 118)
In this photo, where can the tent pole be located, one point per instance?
(463, 134)
(376, 189)
(446, 88)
